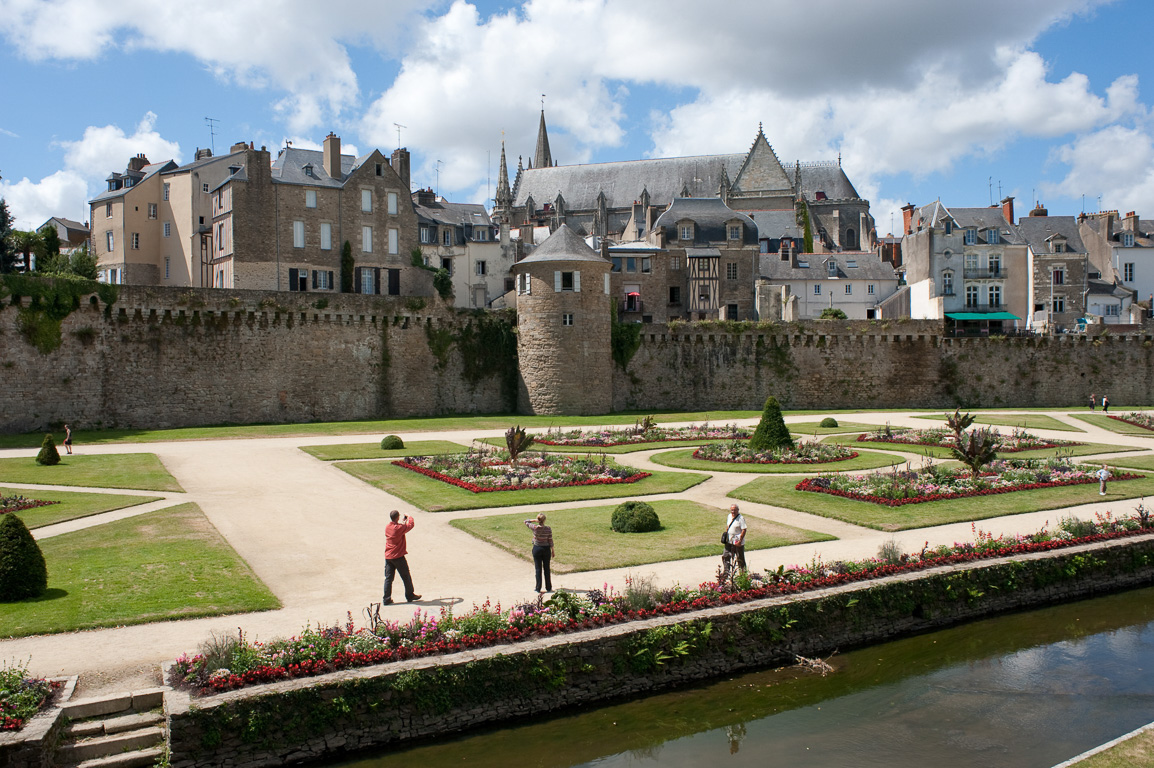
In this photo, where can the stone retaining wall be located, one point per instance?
(34, 745)
(324, 717)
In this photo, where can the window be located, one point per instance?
(166, 193)
(971, 296)
(426, 235)
(367, 200)
(567, 318)
(832, 268)
(949, 226)
(1113, 310)
(995, 295)
(108, 211)
(687, 232)
(380, 169)
(220, 237)
(730, 311)
(136, 241)
(645, 265)
(111, 241)
(204, 187)
(447, 265)
(166, 265)
(630, 264)
(392, 203)
(616, 264)
(848, 289)
(674, 294)
(972, 262)
(168, 229)
(447, 238)
(326, 236)
(817, 290)
(366, 239)
(322, 279)
(675, 263)
(567, 281)
(734, 231)
(947, 283)
(480, 234)
(1059, 277)
(1128, 272)
(479, 268)
(870, 289)
(731, 270)
(298, 234)
(394, 241)
(1127, 239)
(368, 281)
(1059, 304)
(993, 236)
(971, 237)
(152, 210)
(995, 263)
(310, 198)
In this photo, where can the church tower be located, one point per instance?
(542, 158)
(503, 202)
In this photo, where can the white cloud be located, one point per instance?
(107, 148)
(64, 193)
(1116, 163)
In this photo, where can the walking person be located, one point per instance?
(1105, 404)
(543, 550)
(1103, 475)
(68, 438)
(395, 562)
(1091, 401)
(734, 537)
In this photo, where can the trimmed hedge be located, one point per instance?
(771, 431)
(829, 422)
(392, 443)
(634, 517)
(48, 455)
(23, 572)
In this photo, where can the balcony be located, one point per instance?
(984, 307)
(986, 273)
(630, 305)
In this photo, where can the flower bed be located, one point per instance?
(804, 453)
(22, 696)
(937, 482)
(1137, 418)
(607, 438)
(235, 662)
(19, 503)
(1016, 441)
(481, 471)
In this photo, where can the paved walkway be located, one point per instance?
(315, 536)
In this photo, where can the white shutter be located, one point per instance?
(557, 281)
(606, 283)
(528, 284)
(518, 285)
(577, 282)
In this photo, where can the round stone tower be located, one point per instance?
(563, 328)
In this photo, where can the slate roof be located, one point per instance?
(1106, 288)
(145, 172)
(869, 267)
(935, 214)
(187, 167)
(289, 167)
(776, 224)
(454, 214)
(1038, 230)
(709, 215)
(824, 177)
(563, 245)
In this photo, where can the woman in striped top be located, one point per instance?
(542, 550)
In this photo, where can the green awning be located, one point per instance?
(981, 316)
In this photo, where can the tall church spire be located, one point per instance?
(542, 158)
(504, 198)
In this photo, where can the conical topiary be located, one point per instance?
(48, 454)
(23, 572)
(771, 431)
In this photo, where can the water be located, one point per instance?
(1022, 691)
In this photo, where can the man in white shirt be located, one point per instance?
(735, 535)
(1103, 475)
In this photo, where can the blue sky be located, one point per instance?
(1039, 99)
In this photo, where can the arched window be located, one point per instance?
(850, 238)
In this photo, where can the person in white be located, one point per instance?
(735, 536)
(1103, 475)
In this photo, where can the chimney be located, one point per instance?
(137, 163)
(1039, 210)
(1130, 224)
(907, 217)
(332, 156)
(203, 154)
(426, 196)
(400, 163)
(240, 146)
(1008, 209)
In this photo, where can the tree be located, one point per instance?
(82, 263)
(347, 266)
(7, 247)
(48, 455)
(23, 572)
(49, 245)
(27, 242)
(771, 431)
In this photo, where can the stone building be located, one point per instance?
(1121, 254)
(856, 282)
(1058, 267)
(564, 328)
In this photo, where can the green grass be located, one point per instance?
(1142, 461)
(585, 542)
(72, 505)
(815, 428)
(1136, 751)
(1023, 421)
(1086, 449)
(346, 451)
(436, 496)
(1113, 425)
(168, 564)
(139, 471)
(779, 491)
(864, 460)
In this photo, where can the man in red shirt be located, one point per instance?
(395, 557)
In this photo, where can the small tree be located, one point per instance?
(771, 431)
(82, 263)
(517, 442)
(7, 247)
(347, 265)
(975, 449)
(23, 572)
(48, 455)
(443, 282)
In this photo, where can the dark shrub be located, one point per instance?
(392, 443)
(829, 422)
(48, 454)
(634, 517)
(771, 431)
(22, 570)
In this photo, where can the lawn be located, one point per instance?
(72, 505)
(1141, 461)
(815, 428)
(436, 496)
(168, 564)
(864, 460)
(1086, 449)
(585, 542)
(1113, 425)
(139, 471)
(345, 451)
(1135, 751)
(1026, 421)
(779, 491)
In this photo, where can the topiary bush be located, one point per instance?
(829, 422)
(392, 443)
(634, 517)
(23, 573)
(771, 431)
(48, 455)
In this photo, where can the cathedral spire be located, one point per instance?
(504, 199)
(542, 158)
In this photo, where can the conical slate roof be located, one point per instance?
(563, 245)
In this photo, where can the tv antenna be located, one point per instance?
(211, 123)
(399, 127)
(439, 164)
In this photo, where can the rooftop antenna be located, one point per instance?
(399, 127)
(211, 123)
(439, 164)
(990, 183)
(488, 173)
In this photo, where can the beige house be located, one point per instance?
(461, 239)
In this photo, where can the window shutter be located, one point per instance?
(314, 279)
(577, 282)
(330, 280)
(557, 281)
(528, 283)
(518, 285)
(376, 281)
(606, 283)
(294, 279)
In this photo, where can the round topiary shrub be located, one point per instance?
(392, 443)
(48, 455)
(23, 573)
(829, 422)
(634, 517)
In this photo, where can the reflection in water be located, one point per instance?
(1031, 689)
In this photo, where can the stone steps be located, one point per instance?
(120, 731)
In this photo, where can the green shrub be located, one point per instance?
(771, 431)
(831, 313)
(48, 455)
(634, 517)
(829, 422)
(23, 572)
(392, 443)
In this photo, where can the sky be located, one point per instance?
(965, 102)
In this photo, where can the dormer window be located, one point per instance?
(1127, 239)
(686, 231)
(971, 237)
(308, 169)
(734, 231)
(833, 268)
(949, 226)
(992, 236)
